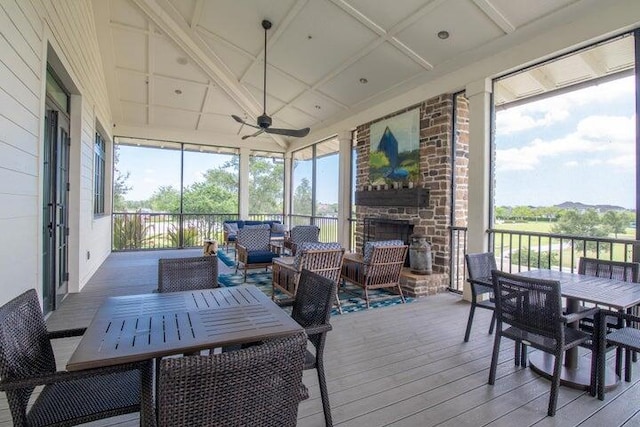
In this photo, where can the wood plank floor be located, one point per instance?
(404, 365)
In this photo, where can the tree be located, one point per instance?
(120, 185)
(587, 224)
(616, 222)
(165, 199)
(265, 186)
(302, 198)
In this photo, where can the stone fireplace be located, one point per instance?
(423, 206)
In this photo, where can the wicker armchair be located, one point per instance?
(301, 234)
(479, 267)
(380, 267)
(322, 258)
(253, 248)
(312, 310)
(529, 311)
(187, 274)
(256, 386)
(67, 398)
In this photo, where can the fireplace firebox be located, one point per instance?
(387, 229)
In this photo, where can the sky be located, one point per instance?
(577, 147)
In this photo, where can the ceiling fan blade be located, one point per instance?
(298, 133)
(253, 134)
(239, 120)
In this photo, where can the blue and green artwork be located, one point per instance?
(395, 153)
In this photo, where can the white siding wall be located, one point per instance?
(26, 28)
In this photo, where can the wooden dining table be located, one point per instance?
(142, 327)
(577, 288)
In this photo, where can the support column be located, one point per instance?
(287, 202)
(345, 140)
(479, 95)
(243, 200)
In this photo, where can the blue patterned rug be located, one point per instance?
(227, 257)
(349, 295)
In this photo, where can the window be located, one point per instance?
(99, 151)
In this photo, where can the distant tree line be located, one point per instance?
(571, 221)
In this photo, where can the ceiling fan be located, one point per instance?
(264, 121)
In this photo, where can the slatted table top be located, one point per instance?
(613, 293)
(139, 327)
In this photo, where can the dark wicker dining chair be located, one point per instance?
(312, 310)
(529, 311)
(608, 269)
(67, 398)
(625, 338)
(259, 385)
(479, 267)
(187, 274)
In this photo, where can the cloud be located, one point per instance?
(597, 139)
(551, 110)
(571, 164)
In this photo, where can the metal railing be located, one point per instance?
(328, 225)
(142, 231)
(525, 250)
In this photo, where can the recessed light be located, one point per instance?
(178, 92)
(182, 60)
(363, 80)
(443, 34)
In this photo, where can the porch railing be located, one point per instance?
(328, 225)
(143, 231)
(523, 250)
(140, 230)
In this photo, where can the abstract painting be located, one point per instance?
(395, 149)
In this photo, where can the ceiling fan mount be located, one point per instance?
(263, 122)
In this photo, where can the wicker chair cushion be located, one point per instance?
(231, 228)
(258, 226)
(277, 228)
(312, 246)
(260, 257)
(368, 247)
(304, 233)
(71, 400)
(254, 239)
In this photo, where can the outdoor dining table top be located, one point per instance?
(616, 294)
(141, 327)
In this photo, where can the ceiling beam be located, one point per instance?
(543, 78)
(182, 35)
(495, 15)
(594, 63)
(197, 13)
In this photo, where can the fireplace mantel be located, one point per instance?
(401, 197)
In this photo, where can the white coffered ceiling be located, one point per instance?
(182, 67)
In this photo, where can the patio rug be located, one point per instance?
(227, 257)
(349, 295)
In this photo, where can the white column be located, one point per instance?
(479, 95)
(344, 187)
(243, 200)
(288, 168)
